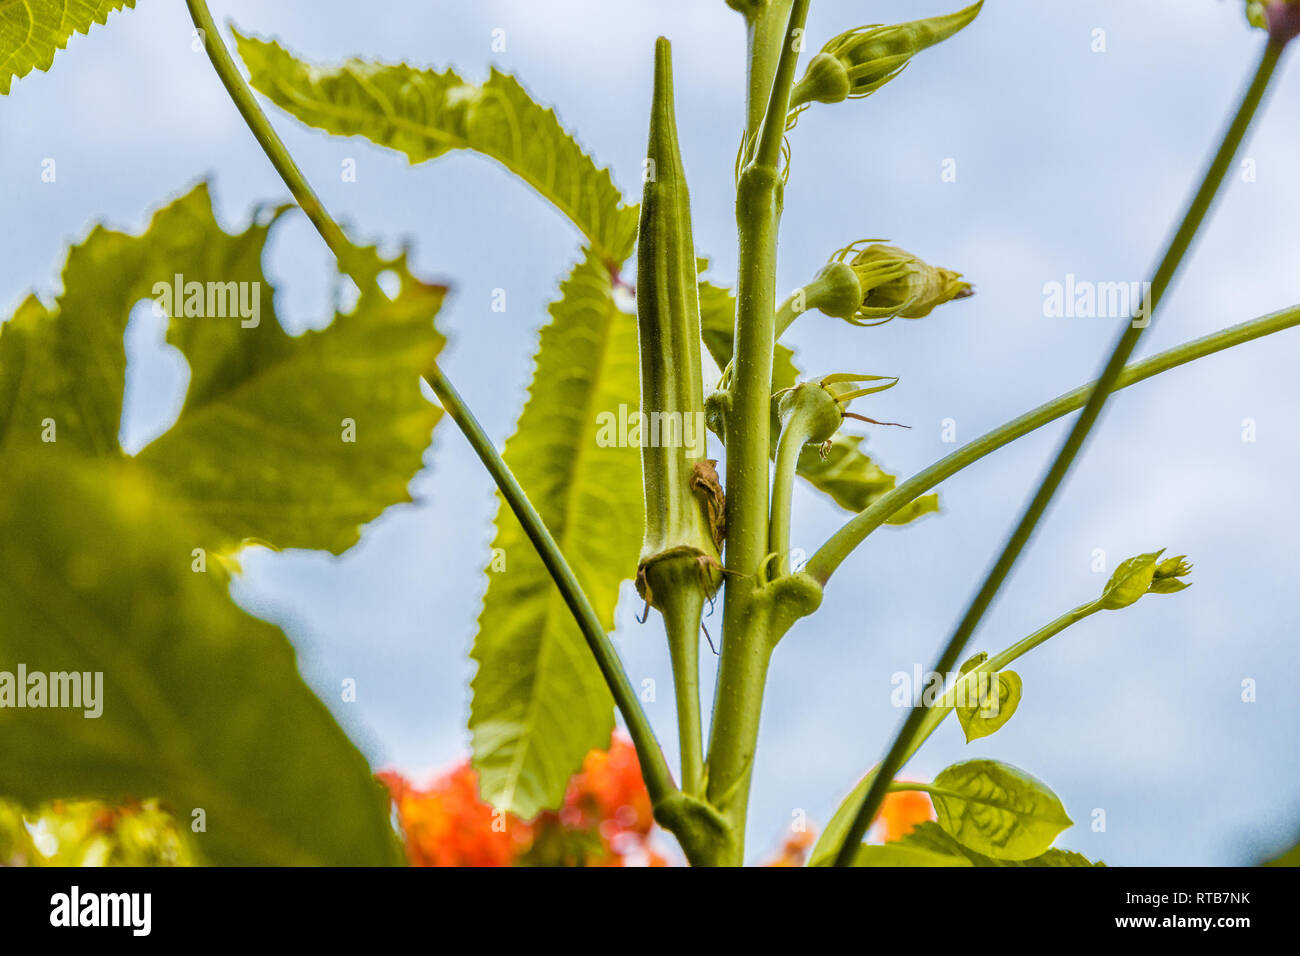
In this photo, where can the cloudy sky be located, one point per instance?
(1076, 130)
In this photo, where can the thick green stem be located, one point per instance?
(747, 644)
(856, 530)
(1173, 258)
(767, 25)
(654, 768)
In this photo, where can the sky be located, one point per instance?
(1075, 129)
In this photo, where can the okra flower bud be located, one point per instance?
(683, 499)
(1281, 18)
(893, 282)
(858, 62)
(1144, 574)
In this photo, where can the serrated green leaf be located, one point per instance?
(424, 114)
(258, 450)
(995, 703)
(200, 704)
(539, 702)
(846, 474)
(32, 31)
(997, 810)
(930, 838)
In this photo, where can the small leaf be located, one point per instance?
(993, 708)
(424, 114)
(998, 810)
(32, 31)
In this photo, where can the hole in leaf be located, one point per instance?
(157, 377)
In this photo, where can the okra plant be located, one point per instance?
(715, 458)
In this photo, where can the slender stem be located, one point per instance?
(654, 768)
(936, 714)
(746, 644)
(682, 604)
(856, 530)
(1178, 247)
(794, 435)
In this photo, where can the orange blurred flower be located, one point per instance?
(900, 814)
(606, 819)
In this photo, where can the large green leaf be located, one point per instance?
(842, 470)
(32, 31)
(929, 845)
(424, 113)
(200, 704)
(997, 810)
(539, 702)
(259, 449)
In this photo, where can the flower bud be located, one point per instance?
(858, 62)
(1144, 574)
(894, 282)
(1281, 18)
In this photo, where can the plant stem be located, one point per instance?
(1178, 247)
(746, 643)
(767, 27)
(856, 530)
(936, 714)
(682, 604)
(794, 435)
(859, 527)
(654, 767)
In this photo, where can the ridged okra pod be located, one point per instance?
(679, 567)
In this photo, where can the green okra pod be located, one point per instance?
(678, 567)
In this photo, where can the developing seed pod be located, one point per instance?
(684, 504)
(894, 282)
(858, 62)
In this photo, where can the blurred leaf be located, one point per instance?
(998, 810)
(424, 114)
(539, 702)
(201, 705)
(32, 31)
(93, 833)
(258, 450)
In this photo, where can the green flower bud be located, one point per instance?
(1144, 574)
(683, 498)
(814, 411)
(894, 282)
(858, 62)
